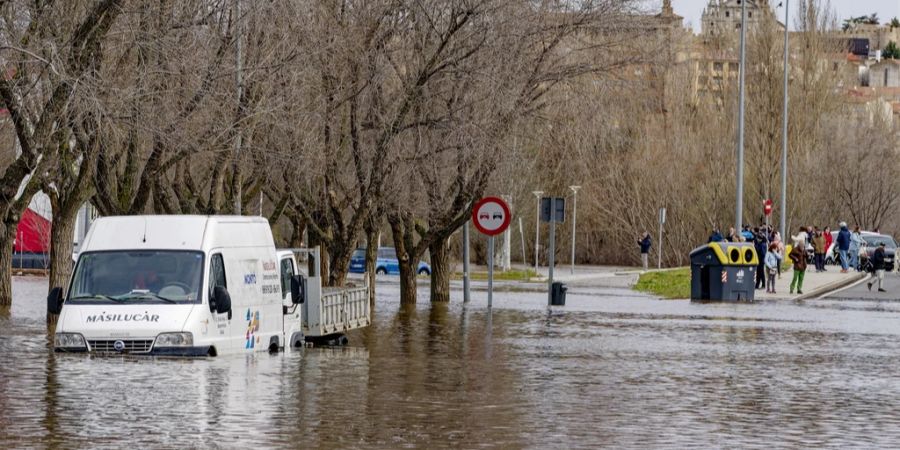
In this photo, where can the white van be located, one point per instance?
(180, 286)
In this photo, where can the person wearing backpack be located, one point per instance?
(878, 266)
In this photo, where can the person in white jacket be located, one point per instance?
(801, 239)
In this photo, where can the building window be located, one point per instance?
(717, 66)
(727, 13)
(750, 14)
(835, 67)
(733, 67)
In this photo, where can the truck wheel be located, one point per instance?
(424, 272)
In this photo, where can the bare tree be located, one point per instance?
(48, 48)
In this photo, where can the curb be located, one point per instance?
(641, 271)
(831, 287)
(849, 286)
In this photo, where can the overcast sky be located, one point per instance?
(886, 9)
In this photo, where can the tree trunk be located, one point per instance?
(340, 262)
(407, 280)
(7, 236)
(298, 226)
(440, 270)
(62, 242)
(408, 265)
(371, 259)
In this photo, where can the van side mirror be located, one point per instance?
(298, 289)
(223, 300)
(55, 301)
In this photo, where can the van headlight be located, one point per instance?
(69, 341)
(174, 340)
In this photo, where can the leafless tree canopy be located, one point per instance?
(342, 120)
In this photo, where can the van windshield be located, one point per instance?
(137, 276)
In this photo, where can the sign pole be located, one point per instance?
(659, 252)
(491, 217)
(574, 215)
(662, 221)
(522, 235)
(537, 229)
(551, 257)
(466, 262)
(490, 271)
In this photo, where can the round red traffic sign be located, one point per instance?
(491, 216)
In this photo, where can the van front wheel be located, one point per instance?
(381, 271)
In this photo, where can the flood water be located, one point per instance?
(610, 369)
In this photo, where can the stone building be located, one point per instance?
(885, 74)
(723, 17)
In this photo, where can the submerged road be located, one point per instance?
(613, 368)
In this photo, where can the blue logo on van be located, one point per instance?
(250, 278)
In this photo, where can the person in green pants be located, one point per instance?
(798, 256)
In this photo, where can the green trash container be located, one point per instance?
(724, 271)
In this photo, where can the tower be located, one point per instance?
(667, 8)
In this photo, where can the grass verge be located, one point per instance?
(670, 284)
(509, 275)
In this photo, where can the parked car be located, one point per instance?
(386, 263)
(832, 256)
(872, 243)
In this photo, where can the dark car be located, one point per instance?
(872, 243)
(386, 262)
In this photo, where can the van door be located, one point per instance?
(292, 313)
(220, 325)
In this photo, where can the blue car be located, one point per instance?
(386, 263)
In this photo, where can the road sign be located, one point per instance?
(491, 216)
(767, 206)
(553, 209)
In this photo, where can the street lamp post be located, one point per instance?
(784, 129)
(537, 228)
(739, 204)
(574, 215)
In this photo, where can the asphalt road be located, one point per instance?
(862, 292)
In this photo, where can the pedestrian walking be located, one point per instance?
(819, 250)
(760, 244)
(856, 244)
(798, 257)
(878, 266)
(644, 242)
(773, 267)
